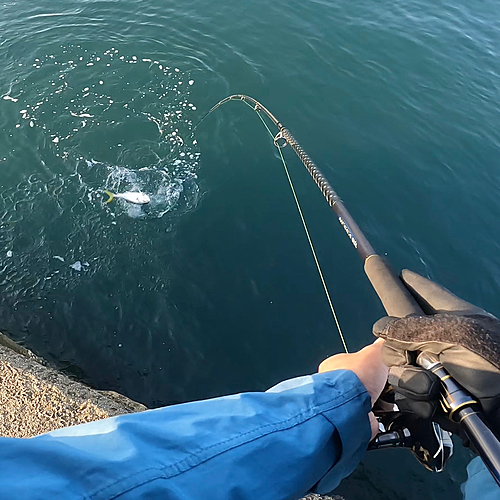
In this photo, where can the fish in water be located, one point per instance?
(131, 196)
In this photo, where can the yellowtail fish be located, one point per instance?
(131, 196)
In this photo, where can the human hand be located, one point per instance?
(465, 338)
(368, 365)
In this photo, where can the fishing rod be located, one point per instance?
(432, 446)
(394, 296)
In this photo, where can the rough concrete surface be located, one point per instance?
(35, 398)
(313, 496)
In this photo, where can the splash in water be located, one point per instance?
(146, 123)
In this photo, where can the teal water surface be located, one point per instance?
(212, 289)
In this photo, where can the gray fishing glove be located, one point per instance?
(465, 338)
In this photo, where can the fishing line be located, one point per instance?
(257, 107)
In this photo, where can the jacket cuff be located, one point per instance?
(354, 433)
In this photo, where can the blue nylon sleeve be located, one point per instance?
(305, 433)
(480, 485)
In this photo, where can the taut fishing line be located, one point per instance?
(280, 141)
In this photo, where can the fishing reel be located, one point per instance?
(431, 445)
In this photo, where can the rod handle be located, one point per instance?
(483, 439)
(464, 409)
(395, 297)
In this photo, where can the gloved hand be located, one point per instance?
(465, 338)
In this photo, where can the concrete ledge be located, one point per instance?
(35, 398)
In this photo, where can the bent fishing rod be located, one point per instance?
(398, 302)
(394, 296)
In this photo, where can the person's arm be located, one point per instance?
(274, 445)
(306, 433)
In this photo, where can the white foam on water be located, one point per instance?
(77, 266)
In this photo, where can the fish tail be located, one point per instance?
(111, 196)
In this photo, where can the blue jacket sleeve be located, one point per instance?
(480, 485)
(305, 433)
